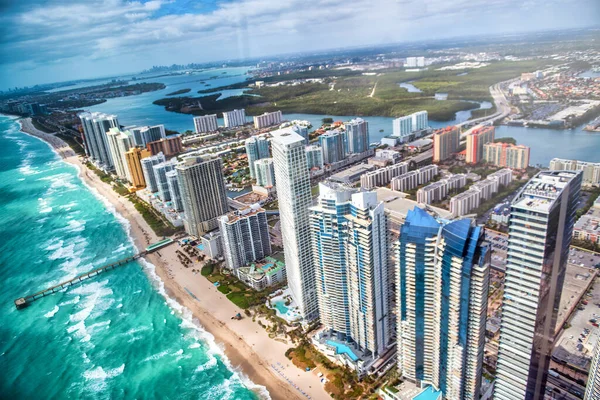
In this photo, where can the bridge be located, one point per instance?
(23, 302)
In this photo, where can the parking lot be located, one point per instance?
(499, 243)
(576, 343)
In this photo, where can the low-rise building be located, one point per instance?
(591, 171)
(503, 176)
(486, 188)
(382, 176)
(432, 193)
(352, 174)
(261, 275)
(501, 213)
(211, 244)
(463, 203)
(456, 181)
(587, 228)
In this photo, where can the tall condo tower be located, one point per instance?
(203, 193)
(357, 135)
(95, 126)
(350, 252)
(442, 269)
(293, 192)
(256, 148)
(119, 142)
(539, 235)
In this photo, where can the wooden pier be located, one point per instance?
(23, 302)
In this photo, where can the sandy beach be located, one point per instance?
(245, 343)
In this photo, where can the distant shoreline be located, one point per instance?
(234, 341)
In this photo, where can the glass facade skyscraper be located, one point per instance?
(256, 149)
(442, 269)
(539, 236)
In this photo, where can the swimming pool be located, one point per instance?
(341, 348)
(281, 307)
(267, 266)
(429, 394)
(200, 247)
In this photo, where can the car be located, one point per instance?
(595, 324)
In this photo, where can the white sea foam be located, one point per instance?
(51, 313)
(156, 356)
(73, 301)
(194, 345)
(44, 207)
(210, 364)
(189, 322)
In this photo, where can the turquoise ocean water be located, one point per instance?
(116, 336)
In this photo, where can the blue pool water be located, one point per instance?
(341, 348)
(267, 266)
(429, 394)
(200, 247)
(281, 307)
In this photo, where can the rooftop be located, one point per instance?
(542, 190)
(286, 136)
(395, 203)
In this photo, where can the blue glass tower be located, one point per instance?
(442, 301)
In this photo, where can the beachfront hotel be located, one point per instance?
(245, 236)
(234, 118)
(442, 287)
(119, 142)
(174, 192)
(476, 139)
(256, 148)
(357, 135)
(203, 193)
(350, 254)
(147, 164)
(95, 126)
(539, 235)
(293, 192)
(133, 159)
(206, 123)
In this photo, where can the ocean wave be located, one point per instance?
(210, 364)
(156, 356)
(52, 312)
(43, 206)
(194, 345)
(73, 301)
(214, 349)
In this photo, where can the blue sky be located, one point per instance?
(55, 40)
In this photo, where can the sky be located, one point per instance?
(43, 41)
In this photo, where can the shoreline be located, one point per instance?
(245, 346)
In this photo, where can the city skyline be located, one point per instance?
(51, 42)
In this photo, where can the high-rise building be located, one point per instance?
(406, 127)
(301, 130)
(119, 143)
(160, 176)
(95, 126)
(539, 236)
(592, 388)
(333, 147)
(412, 62)
(234, 118)
(357, 135)
(591, 171)
(445, 143)
(245, 236)
(293, 192)
(350, 255)
(203, 193)
(256, 149)
(133, 159)
(142, 135)
(265, 172)
(169, 146)
(174, 192)
(147, 164)
(507, 155)
(442, 269)
(267, 119)
(206, 123)
(476, 139)
(314, 157)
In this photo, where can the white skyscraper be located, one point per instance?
(592, 388)
(265, 172)
(350, 251)
(142, 135)
(95, 126)
(206, 123)
(256, 148)
(147, 164)
(234, 118)
(539, 236)
(293, 192)
(267, 119)
(118, 143)
(203, 193)
(406, 127)
(160, 176)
